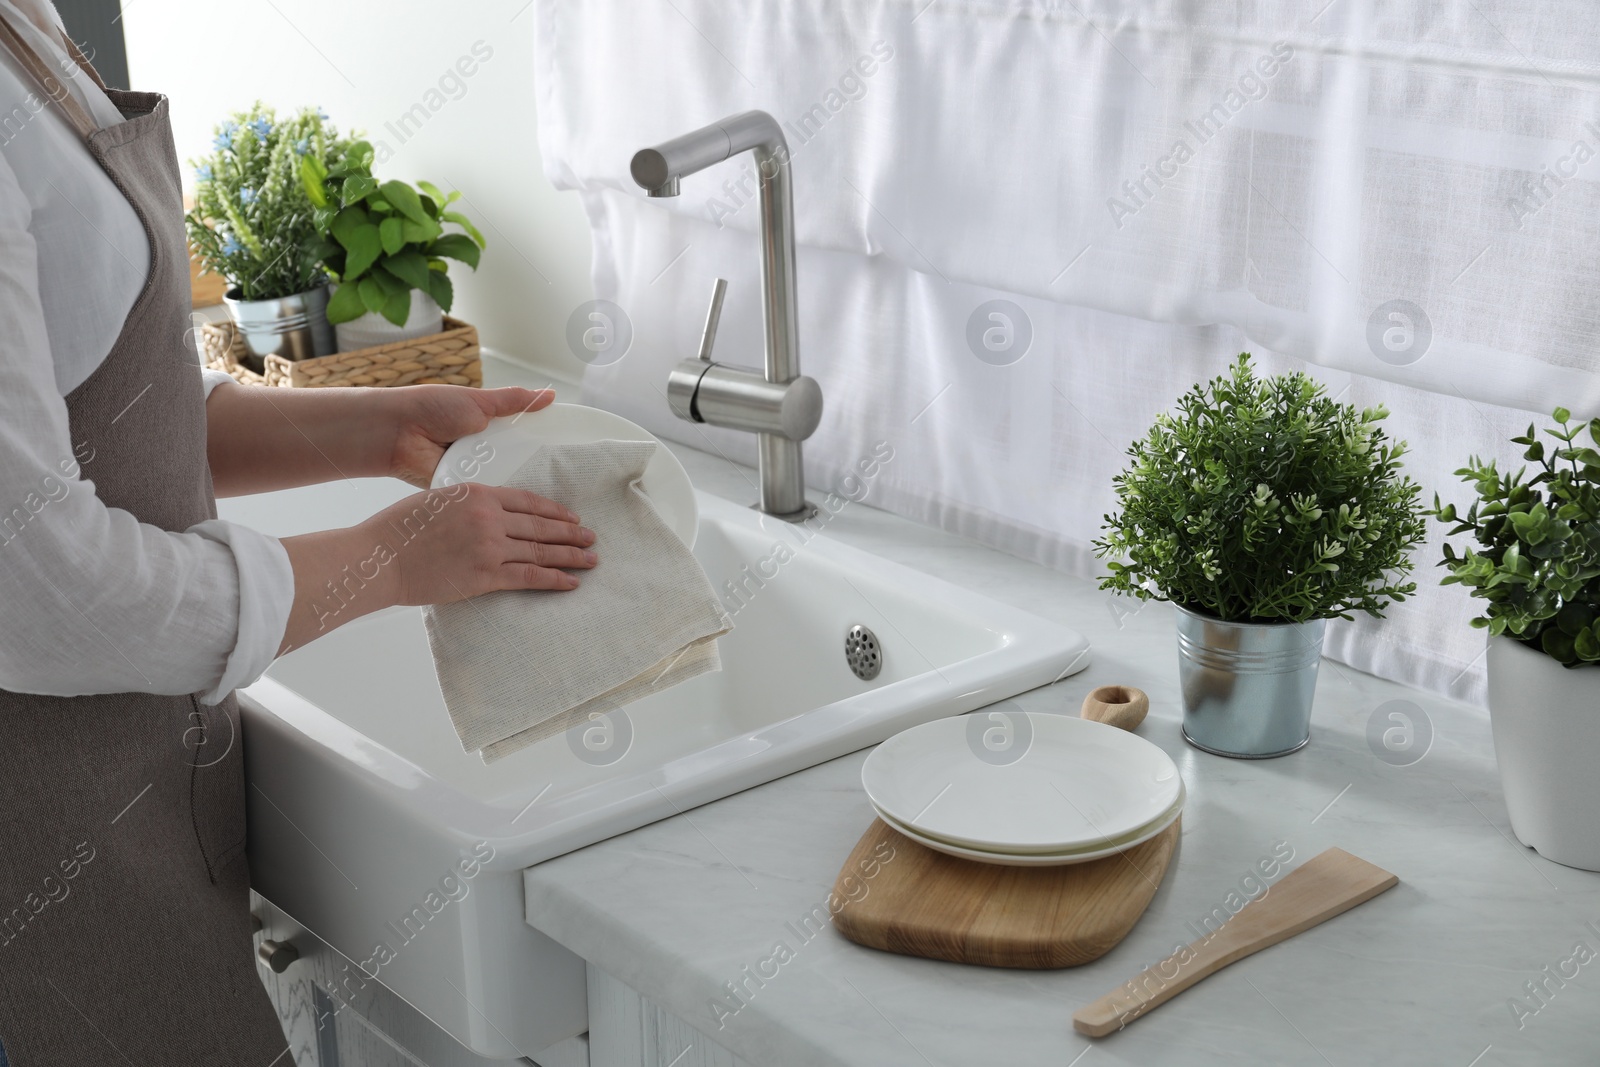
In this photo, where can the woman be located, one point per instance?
(129, 613)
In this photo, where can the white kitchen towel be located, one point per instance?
(518, 666)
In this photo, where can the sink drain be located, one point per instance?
(862, 652)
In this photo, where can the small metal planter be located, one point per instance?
(1247, 687)
(294, 327)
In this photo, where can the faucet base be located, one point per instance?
(805, 513)
(783, 480)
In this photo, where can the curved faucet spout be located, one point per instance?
(658, 168)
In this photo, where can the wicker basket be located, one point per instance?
(450, 357)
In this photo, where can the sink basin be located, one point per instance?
(374, 830)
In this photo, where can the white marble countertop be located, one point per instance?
(1425, 973)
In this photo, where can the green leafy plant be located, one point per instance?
(383, 239)
(1264, 501)
(252, 222)
(1537, 563)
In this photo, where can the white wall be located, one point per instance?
(367, 63)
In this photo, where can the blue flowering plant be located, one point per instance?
(252, 222)
(383, 239)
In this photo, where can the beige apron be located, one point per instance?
(124, 923)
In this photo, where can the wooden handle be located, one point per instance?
(1121, 706)
(1326, 885)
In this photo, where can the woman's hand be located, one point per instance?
(457, 542)
(260, 439)
(433, 548)
(429, 418)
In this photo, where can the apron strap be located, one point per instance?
(83, 61)
(53, 88)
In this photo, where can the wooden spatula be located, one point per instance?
(1324, 886)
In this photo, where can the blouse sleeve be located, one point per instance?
(214, 378)
(91, 599)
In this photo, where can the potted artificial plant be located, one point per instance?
(385, 243)
(1536, 566)
(1261, 509)
(253, 225)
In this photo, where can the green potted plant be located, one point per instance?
(1261, 509)
(253, 224)
(1535, 565)
(385, 243)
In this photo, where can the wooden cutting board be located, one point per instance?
(919, 902)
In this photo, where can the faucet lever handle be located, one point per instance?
(713, 316)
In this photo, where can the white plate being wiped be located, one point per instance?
(1024, 783)
(1043, 859)
(493, 456)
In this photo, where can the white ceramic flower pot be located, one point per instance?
(1546, 724)
(371, 329)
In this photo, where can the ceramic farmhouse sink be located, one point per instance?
(371, 828)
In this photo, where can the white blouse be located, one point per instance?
(91, 599)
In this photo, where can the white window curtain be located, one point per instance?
(1026, 228)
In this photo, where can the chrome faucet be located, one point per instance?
(782, 406)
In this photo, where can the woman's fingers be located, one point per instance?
(526, 527)
(452, 544)
(544, 555)
(520, 500)
(513, 399)
(533, 576)
(533, 519)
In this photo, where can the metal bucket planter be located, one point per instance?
(1247, 687)
(294, 327)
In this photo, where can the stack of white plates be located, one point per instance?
(1022, 789)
